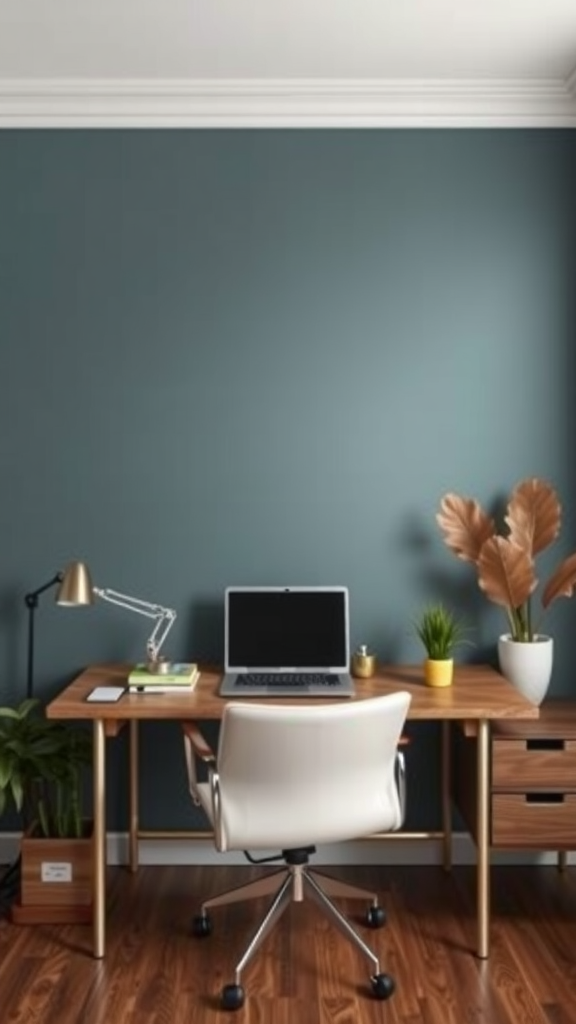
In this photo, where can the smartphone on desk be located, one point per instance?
(105, 694)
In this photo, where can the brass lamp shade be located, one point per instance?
(76, 586)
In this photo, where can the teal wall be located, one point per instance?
(262, 357)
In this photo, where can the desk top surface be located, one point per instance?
(478, 691)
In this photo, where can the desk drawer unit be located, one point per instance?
(533, 780)
(543, 820)
(539, 761)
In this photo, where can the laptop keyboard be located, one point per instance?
(284, 679)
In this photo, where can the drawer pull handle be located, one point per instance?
(544, 798)
(544, 744)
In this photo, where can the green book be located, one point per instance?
(180, 673)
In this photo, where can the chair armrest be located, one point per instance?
(195, 746)
(201, 748)
(400, 778)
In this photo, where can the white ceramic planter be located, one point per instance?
(527, 665)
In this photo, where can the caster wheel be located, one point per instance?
(375, 917)
(201, 926)
(232, 997)
(382, 986)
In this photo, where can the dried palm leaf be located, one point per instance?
(465, 526)
(506, 572)
(562, 581)
(534, 515)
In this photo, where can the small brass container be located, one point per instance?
(363, 663)
(158, 666)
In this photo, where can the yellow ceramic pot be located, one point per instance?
(438, 673)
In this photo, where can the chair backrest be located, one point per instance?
(299, 775)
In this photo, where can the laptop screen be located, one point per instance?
(287, 627)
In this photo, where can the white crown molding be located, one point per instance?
(571, 84)
(297, 103)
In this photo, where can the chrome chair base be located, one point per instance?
(289, 885)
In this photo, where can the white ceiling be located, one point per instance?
(299, 61)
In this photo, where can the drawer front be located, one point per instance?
(543, 820)
(536, 763)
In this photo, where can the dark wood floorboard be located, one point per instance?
(305, 972)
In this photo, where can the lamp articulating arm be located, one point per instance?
(165, 618)
(77, 589)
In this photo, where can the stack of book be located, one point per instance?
(181, 677)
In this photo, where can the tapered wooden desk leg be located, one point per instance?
(99, 868)
(483, 842)
(446, 799)
(133, 798)
(562, 860)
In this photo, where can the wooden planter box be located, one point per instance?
(55, 881)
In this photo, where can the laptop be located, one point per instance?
(287, 642)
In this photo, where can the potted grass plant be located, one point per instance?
(441, 633)
(42, 767)
(505, 562)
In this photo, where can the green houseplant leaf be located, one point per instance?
(440, 632)
(41, 769)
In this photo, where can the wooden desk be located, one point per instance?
(478, 695)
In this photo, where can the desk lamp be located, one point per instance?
(76, 589)
(81, 596)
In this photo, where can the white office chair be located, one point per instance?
(288, 777)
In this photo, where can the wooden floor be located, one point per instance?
(306, 972)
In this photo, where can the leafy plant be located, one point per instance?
(440, 632)
(41, 769)
(506, 564)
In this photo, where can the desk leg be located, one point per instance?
(446, 798)
(99, 878)
(133, 797)
(483, 841)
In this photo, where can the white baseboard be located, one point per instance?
(370, 851)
